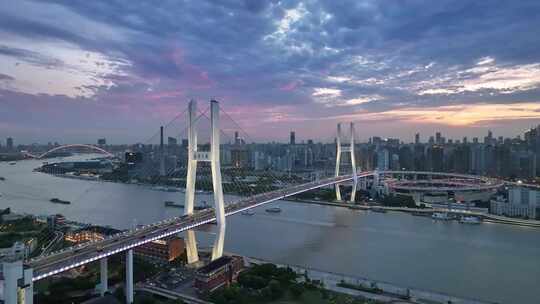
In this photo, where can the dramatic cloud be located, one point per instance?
(274, 65)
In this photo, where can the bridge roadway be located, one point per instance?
(88, 252)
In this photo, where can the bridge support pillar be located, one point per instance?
(194, 156)
(129, 276)
(28, 286)
(349, 149)
(12, 272)
(103, 274)
(219, 243)
(191, 247)
(191, 243)
(375, 185)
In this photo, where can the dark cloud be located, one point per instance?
(4, 77)
(30, 56)
(277, 53)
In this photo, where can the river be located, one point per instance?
(491, 262)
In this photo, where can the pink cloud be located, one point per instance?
(291, 86)
(163, 94)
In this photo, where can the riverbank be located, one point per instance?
(427, 212)
(382, 291)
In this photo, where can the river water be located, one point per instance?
(491, 262)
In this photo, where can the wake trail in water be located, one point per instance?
(298, 221)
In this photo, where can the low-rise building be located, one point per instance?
(89, 234)
(163, 250)
(218, 273)
(56, 221)
(522, 202)
(19, 250)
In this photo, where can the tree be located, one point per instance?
(251, 281)
(120, 294)
(296, 290)
(276, 289)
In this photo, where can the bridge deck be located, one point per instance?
(88, 252)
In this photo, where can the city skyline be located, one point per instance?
(119, 70)
(415, 138)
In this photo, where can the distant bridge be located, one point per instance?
(62, 147)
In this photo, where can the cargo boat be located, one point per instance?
(59, 201)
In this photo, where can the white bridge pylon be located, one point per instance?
(212, 156)
(346, 149)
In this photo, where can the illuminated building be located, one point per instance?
(163, 250)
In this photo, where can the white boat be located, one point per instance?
(247, 212)
(470, 220)
(443, 216)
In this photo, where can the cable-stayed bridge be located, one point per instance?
(20, 275)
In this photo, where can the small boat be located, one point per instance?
(443, 216)
(204, 206)
(59, 201)
(379, 210)
(173, 204)
(2, 178)
(247, 212)
(273, 210)
(470, 220)
(13, 163)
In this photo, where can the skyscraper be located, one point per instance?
(383, 159)
(292, 140)
(236, 138)
(9, 143)
(417, 138)
(435, 158)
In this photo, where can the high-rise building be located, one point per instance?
(417, 138)
(435, 155)
(292, 139)
(171, 141)
(383, 159)
(240, 157)
(133, 157)
(9, 143)
(101, 142)
(488, 140)
(438, 138)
